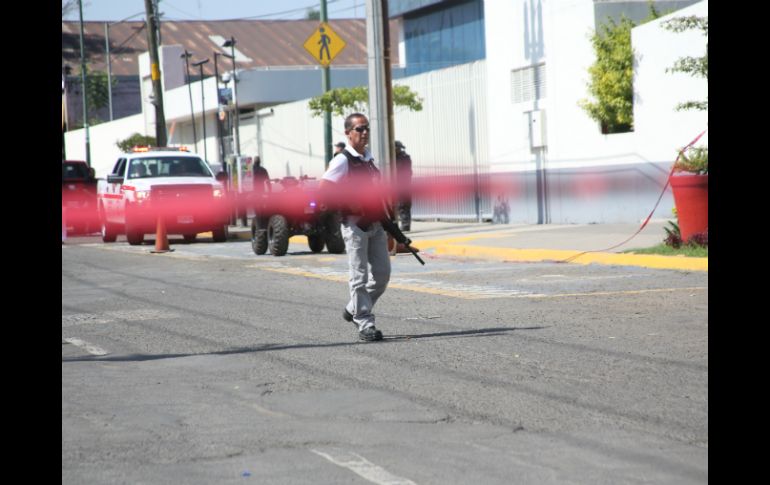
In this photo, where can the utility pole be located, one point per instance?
(186, 56)
(325, 86)
(380, 92)
(199, 65)
(157, 88)
(83, 86)
(109, 66)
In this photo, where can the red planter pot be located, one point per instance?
(691, 197)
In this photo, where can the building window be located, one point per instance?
(440, 36)
(528, 83)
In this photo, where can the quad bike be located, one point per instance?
(290, 209)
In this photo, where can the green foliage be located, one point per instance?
(673, 235)
(695, 66)
(612, 75)
(96, 92)
(344, 101)
(686, 250)
(135, 140)
(312, 14)
(696, 161)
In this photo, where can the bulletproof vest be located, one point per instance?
(359, 169)
(364, 174)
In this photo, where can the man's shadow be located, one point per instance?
(461, 333)
(481, 332)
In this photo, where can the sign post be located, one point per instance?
(324, 44)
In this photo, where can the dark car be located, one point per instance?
(78, 197)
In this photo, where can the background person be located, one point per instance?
(404, 186)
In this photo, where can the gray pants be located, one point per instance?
(367, 251)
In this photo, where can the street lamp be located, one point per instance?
(220, 140)
(199, 65)
(109, 57)
(186, 56)
(231, 44)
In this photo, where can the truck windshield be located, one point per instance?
(168, 166)
(77, 171)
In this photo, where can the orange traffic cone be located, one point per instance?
(161, 238)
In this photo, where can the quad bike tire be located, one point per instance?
(316, 242)
(258, 235)
(333, 234)
(220, 233)
(278, 235)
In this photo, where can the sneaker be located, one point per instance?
(370, 334)
(347, 315)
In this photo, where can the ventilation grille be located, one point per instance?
(528, 83)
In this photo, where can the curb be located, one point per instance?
(554, 255)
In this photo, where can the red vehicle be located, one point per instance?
(78, 197)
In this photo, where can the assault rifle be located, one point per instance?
(392, 229)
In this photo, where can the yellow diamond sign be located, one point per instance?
(324, 44)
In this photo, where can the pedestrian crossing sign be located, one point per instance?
(324, 44)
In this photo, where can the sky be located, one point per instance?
(114, 10)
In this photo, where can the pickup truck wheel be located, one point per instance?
(220, 233)
(258, 235)
(109, 233)
(134, 238)
(335, 243)
(316, 242)
(278, 235)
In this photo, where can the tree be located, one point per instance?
(695, 66)
(71, 6)
(612, 75)
(96, 90)
(313, 14)
(344, 101)
(136, 139)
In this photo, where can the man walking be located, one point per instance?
(352, 178)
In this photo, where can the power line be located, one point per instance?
(264, 16)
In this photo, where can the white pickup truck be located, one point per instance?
(171, 183)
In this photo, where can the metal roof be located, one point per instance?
(264, 43)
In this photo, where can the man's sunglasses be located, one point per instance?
(362, 128)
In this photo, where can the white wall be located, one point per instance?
(447, 135)
(661, 129)
(103, 138)
(573, 139)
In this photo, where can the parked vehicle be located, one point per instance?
(162, 182)
(291, 209)
(78, 197)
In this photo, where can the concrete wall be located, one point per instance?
(662, 129)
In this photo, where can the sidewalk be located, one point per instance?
(573, 243)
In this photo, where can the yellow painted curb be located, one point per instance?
(531, 255)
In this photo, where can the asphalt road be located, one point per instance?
(210, 364)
